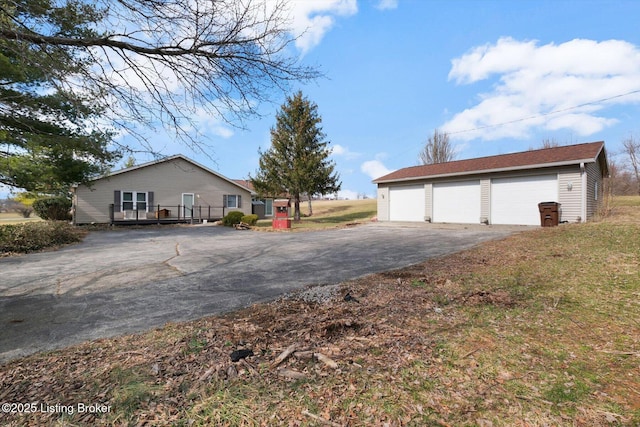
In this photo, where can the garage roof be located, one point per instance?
(532, 159)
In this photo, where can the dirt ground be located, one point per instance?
(503, 334)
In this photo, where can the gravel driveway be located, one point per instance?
(124, 281)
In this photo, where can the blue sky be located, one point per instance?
(499, 76)
(396, 70)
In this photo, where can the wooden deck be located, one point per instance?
(167, 215)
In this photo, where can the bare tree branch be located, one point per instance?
(631, 147)
(438, 149)
(170, 61)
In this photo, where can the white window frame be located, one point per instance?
(235, 198)
(134, 200)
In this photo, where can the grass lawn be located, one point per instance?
(16, 218)
(539, 329)
(331, 213)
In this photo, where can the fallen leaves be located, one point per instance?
(432, 344)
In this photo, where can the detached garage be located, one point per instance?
(407, 203)
(504, 189)
(457, 202)
(515, 200)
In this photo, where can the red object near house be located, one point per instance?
(281, 220)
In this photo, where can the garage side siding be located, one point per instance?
(594, 189)
(485, 200)
(383, 203)
(570, 194)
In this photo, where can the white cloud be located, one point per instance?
(348, 194)
(387, 4)
(339, 150)
(553, 86)
(374, 168)
(312, 19)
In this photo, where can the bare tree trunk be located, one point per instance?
(310, 207)
(632, 149)
(438, 149)
(296, 208)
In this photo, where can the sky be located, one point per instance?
(497, 76)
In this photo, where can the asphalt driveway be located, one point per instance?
(124, 281)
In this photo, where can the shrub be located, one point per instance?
(53, 208)
(33, 236)
(232, 218)
(23, 210)
(250, 219)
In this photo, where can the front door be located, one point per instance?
(187, 205)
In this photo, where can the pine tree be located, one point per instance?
(47, 141)
(158, 62)
(298, 161)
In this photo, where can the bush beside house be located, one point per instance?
(35, 236)
(53, 208)
(232, 218)
(250, 219)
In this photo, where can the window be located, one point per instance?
(133, 200)
(127, 201)
(232, 201)
(141, 201)
(268, 207)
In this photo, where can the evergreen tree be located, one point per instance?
(298, 161)
(158, 62)
(47, 140)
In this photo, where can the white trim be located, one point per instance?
(534, 168)
(134, 200)
(236, 199)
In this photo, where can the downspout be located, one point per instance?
(583, 197)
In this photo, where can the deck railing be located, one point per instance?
(167, 214)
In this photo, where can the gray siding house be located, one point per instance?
(173, 189)
(503, 189)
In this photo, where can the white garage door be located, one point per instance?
(515, 200)
(406, 203)
(457, 202)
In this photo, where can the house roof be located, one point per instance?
(238, 183)
(245, 183)
(532, 159)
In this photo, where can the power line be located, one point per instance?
(545, 114)
(414, 147)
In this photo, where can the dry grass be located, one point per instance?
(537, 329)
(331, 213)
(16, 218)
